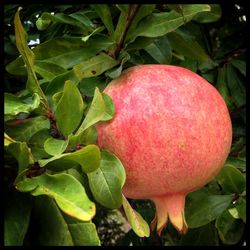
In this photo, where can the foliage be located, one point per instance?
(62, 189)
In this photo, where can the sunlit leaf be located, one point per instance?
(106, 182)
(13, 105)
(94, 66)
(67, 121)
(54, 146)
(68, 193)
(28, 57)
(88, 157)
(138, 224)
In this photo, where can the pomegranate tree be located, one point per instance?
(171, 130)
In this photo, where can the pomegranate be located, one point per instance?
(171, 130)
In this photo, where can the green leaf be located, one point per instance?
(64, 52)
(202, 236)
(231, 179)
(109, 107)
(103, 12)
(14, 106)
(230, 230)
(139, 43)
(42, 24)
(16, 218)
(95, 31)
(68, 193)
(8, 140)
(54, 146)
(236, 86)
(88, 157)
(94, 66)
(241, 208)
(138, 224)
(87, 86)
(36, 144)
(159, 24)
(221, 86)
(202, 208)
(57, 84)
(187, 45)
(107, 181)
(28, 57)
(48, 70)
(56, 97)
(189, 64)
(76, 19)
(71, 100)
(240, 65)
(87, 137)
(25, 130)
(144, 10)
(95, 113)
(22, 154)
(57, 229)
(160, 50)
(208, 17)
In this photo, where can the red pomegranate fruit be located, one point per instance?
(172, 132)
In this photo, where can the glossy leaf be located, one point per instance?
(202, 208)
(230, 230)
(68, 193)
(138, 224)
(64, 51)
(160, 50)
(187, 46)
(94, 66)
(107, 181)
(116, 72)
(69, 19)
(88, 85)
(95, 31)
(57, 229)
(28, 57)
(231, 179)
(143, 11)
(23, 131)
(16, 218)
(54, 146)
(88, 157)
(103, 12)
(159, 24)
(95, 113)
(109, 107)
(36, 144)
(66, 120)
(8, 140)
(48, 70)
(57, 84)
(87, 137)
(211, 16)
(241, 208)
(22, 153)
(14, 105)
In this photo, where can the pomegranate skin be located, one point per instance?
(171, 130)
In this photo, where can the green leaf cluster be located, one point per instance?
(65, 186)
